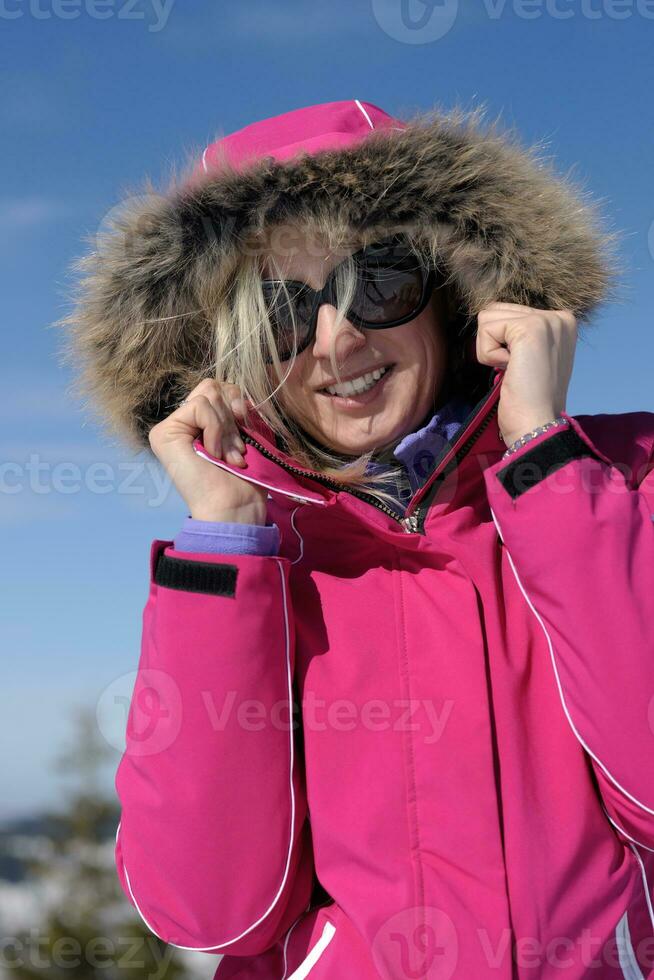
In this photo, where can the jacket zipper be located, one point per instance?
(411, 523)
(418, 517)
(319, 478)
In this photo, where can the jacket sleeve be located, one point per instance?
(580, 540)
(213, 847)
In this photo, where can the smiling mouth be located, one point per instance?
(361, 386)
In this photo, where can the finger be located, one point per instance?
(208, 414)
(222, 393)
(491, 340)
(508, 308)
(230, 392)
(496, 312)
(219, 395)
(232, 405)
(489, 316)
(213, 389)
(234, 397)
(233, 446)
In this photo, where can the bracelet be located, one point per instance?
(555, 423)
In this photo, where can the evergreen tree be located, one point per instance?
(89, 929)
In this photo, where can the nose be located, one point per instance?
(348, 337)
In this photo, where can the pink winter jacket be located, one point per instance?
(415, 747)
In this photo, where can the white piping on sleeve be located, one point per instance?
(289, 683)
(288, 936)
(626, 956)
(615, 782)
(365, 113)
(624, 833)
(643, 873)
(301, 555)
(648, 897)
(315, 953)
(249, 479)
(204, 159)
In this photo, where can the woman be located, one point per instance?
(393, 708)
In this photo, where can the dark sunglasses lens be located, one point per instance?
(290, 310)
(386, 293)
(390, 289)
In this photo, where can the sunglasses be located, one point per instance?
(392, 287)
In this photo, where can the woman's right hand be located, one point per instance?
(211, 493)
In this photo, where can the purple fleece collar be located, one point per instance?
(417, 451)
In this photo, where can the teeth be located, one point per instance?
(358, 385)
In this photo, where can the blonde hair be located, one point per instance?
(244, 337)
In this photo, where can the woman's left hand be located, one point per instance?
(537, 359)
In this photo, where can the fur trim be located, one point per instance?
(503, 224)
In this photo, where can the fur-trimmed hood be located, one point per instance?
(506, 228)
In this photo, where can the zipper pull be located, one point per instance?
(410, 524)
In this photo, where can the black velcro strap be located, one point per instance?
(545, 458)
(196, 576)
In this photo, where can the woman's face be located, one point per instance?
(414, 355)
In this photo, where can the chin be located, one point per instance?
(360, 435)
(377, 441)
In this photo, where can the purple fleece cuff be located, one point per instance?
(222, 537)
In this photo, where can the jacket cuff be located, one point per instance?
(540, 458)
(189, 575)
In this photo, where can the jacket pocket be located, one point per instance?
(320, 945)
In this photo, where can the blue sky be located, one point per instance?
(90, 106)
